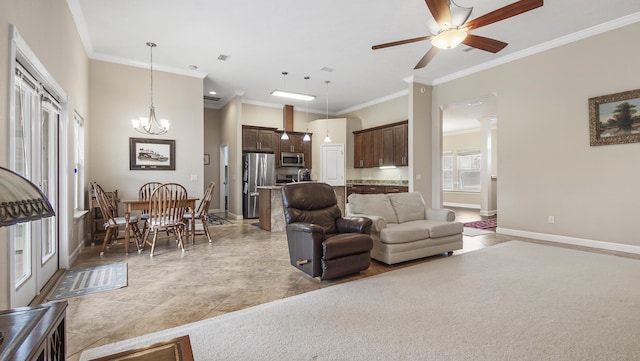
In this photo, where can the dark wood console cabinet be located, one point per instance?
(34, 333)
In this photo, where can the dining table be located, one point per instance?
(143, 205)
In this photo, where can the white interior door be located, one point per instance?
(333, 164)
(48, 163)
(35, 156)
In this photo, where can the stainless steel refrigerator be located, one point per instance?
(259, 170)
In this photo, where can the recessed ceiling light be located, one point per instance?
(475, 104)
(212, 92)
(327, 69)
(193, 67)
(223, 57)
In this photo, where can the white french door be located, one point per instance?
(34, 156)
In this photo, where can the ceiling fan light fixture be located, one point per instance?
(449, 38)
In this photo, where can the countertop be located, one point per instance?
(368, 182)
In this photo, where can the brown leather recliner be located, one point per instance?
(321, 242)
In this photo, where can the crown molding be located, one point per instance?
(374, 102)
(579, 35)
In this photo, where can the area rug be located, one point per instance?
(90, 280)
(484, 224)
(215, 220)
(512, 301)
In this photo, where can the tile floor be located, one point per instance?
(243, 266)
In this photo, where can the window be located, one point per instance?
(461, 171)
(447, 172)
(469, 172)
(78, 163)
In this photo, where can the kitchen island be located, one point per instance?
(271, 210)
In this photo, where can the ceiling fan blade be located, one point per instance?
(427, 58)
(506, 12)
(482, 43)
(440, 11)
(400, 42)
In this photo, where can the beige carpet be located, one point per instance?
(512, 301)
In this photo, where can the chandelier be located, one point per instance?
(151, 125)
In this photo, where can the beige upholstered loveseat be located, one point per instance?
(403, 228)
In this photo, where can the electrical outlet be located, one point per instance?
(552, 219)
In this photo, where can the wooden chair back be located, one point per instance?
(146, 189)
(108, 205)
(203, 207)
(167, 205)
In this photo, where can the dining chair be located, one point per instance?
(202, 213)
(144, 193)
(167, 206)
(112, 222)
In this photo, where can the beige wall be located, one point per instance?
(48, 29)
(546, 164)
(212, 143)
(120, 93)
(422, 140)
(231, 132)
(272, 117)
(390, 111)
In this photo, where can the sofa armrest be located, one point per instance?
(354, 225)
(377, 223)
(304, 227)
(442, 214)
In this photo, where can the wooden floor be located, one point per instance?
(244, 266)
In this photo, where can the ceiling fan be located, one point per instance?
(454, 27)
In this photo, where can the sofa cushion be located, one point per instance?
(418, 230)
(408, 206)
(442, 228)
(372, 204)
(404, 232)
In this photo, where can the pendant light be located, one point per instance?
(327, 139)
(307, 137)
(284, 136)
(151, 125)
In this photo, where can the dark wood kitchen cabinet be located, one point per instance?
(258, 139)
(401, 144)
(295, 144)
(385, 145)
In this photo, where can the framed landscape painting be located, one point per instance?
(152, 154)
(615, 118)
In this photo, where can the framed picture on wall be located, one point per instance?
(615, 118)
(152, 154)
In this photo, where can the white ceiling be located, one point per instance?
(264, 38)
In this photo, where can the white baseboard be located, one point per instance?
(461, 205)
(618, 247)
(76, 252)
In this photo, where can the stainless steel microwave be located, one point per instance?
(292, 159)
